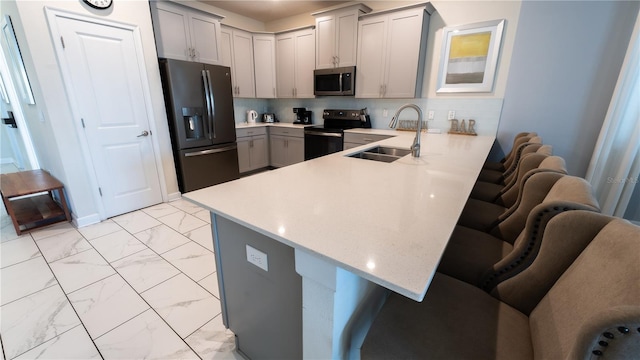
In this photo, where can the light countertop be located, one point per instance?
(276, 124)
(386, 222)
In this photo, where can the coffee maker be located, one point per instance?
(303, 116)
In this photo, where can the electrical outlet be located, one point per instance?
(257, 258)
(385, 113)
(452, 115)
(431, 113)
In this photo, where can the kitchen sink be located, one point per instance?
(389, 151)
(381, 153)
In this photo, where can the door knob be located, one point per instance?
(144, 133)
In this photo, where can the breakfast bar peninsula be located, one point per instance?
(306, 254)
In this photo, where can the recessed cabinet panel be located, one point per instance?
(187, 34)
(253, 148)
(244, 157)
(171, 28)
(264, 53)
(285, 60)
(237, 53)
(402, 55)
(295, 62)
(305, 64)
(225, 47)
(347, 38)
(337, 36)
(204, 39)
(371, 58)
(243, 64)
(260, 152)
(325, 42)
(391, 54)
(286, 146)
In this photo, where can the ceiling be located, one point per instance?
(270, 10)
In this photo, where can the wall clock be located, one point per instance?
(99, 4)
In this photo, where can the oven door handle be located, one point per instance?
(318, 133)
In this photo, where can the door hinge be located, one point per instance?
(62, 41)
(82, 121)
(100, 191)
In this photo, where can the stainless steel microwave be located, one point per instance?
(335, 82)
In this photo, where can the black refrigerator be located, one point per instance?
(199, 106)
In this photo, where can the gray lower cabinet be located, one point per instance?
(261, 300)
(253, 148)
(352, 140)
(286, 146)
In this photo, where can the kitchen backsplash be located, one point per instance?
(486, 112)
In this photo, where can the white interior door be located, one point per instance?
(104, 79)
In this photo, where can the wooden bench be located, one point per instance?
(38, 210)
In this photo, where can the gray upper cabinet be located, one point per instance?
(391, 52)
(337, 35)
(186, 34)
(295, 62)
(237, 53)
(264, 53)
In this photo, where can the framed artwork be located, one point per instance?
(469, 57)
(16, 64)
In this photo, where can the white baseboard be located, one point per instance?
(174, 196)
(7, 161)
(86, 220)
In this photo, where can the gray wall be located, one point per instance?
(564, 68)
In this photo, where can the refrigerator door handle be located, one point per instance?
(211, 151)
(207, 98)
(212, 113)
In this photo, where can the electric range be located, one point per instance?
(320, 140)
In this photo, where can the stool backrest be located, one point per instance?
(533, 190)
(518, 140)
(537, 160)
(529, 241)
(592, 310)
(532, 146)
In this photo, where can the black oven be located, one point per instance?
(328, 138)
(320, 142)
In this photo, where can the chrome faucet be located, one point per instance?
(415, 147)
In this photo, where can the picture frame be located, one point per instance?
(469, 57)
(16, 63)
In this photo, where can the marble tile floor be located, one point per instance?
(142, 285)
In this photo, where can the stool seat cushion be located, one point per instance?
(491, 176)
(498, 166)
(485, 191)
(455, 321)
(480, 215)
(470, 253)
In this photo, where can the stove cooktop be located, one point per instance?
(340, 120)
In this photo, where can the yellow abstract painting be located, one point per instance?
(468, 58)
